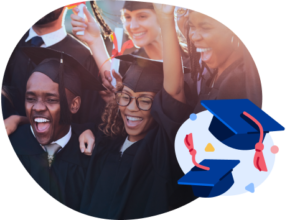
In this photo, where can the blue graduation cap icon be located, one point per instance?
(213, 182)
(237, 123)
(230, 126)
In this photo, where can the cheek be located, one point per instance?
(28, 107)
(54, 111)
(122, 110)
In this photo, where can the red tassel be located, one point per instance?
(188, 141)
(259, 160)
(127, 45)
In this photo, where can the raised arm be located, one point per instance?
(173, 73)
(92, 36)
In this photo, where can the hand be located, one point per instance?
(107, 95)
(11, 124)
(118, 78)
(90, 27)
(87, 137)
(164, 11)
(107, 79)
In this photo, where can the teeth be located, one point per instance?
(134, 118)
(201, 50)
(41, 120)
(139, 34)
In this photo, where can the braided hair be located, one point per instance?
(194, 58)
(106, 30)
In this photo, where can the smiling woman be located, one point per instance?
(133, 171)
(220, 63)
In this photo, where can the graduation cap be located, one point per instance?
(65, 70)
(213, 182)
(240, 124)
(144, 75)
(133, 5)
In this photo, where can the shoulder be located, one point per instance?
(23, 140)
(73, 47)
(71, 153)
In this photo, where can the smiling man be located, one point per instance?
(50, 32)
(47, 147)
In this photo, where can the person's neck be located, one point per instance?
(155, 50)
(47, 28)
(135, 138)
(63, 132)
(234, 56)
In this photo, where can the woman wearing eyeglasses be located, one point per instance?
(133, 171)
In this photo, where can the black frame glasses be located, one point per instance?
(137, 100)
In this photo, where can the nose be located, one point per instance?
(134, 24)
(132, 105)
(39, 106)
(195, 36)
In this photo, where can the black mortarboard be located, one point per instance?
(213, 182)
(144, 75)
(133, 5)
(63, 69)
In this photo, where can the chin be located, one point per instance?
(43, 140)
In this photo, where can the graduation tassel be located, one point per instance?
(259, 160)
(188, 141)
(65, 114)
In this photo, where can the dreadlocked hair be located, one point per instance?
(106, 30)
(194, 58)
(112, 123)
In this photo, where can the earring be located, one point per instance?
(232, 39)
(118, 111)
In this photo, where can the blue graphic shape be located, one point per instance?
(250, 188)
(213, 182)
(193, 117)
(235, 130)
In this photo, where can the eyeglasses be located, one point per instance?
(180, 12)
(142, 102)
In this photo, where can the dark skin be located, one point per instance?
(42, 106)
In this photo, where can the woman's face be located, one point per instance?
(142, 26)
(211, 38)
(137, 122)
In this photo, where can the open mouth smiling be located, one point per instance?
(41, 124)
(132, 121)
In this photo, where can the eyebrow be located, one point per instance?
(47, 94)
(199, 23)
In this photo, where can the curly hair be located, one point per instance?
(106, 30)
(112, 123)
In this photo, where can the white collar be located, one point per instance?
(62, 141)
(49, 39)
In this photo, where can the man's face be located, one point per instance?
(52, 16)
(43, 108)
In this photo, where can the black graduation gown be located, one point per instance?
(20, 67)
(143, 182)
(238, 81)
(65, 179)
